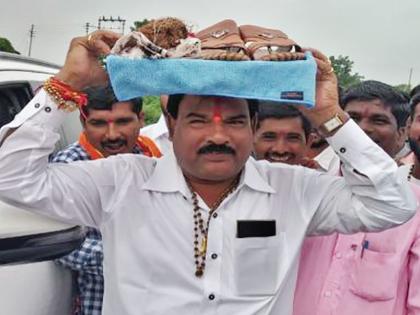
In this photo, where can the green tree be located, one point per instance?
(403, 88)
(6, 45)
(138, 24)
(343, 68)
(151, 109)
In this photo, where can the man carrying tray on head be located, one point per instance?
(205, 230)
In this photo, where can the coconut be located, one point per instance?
(165, 32)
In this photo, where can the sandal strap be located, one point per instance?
(224, 34)
(265, 37)
(224, 53)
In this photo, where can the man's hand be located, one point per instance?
(327, 102)
(82, 67)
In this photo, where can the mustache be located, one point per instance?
(275, 155)
(113, 142)
(216, 148)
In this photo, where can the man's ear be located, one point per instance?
(141, 119)
(402, 136)
(82, 121)
(404, 131)
(171, 122)
(254, 123)
(409, 122)
(166, 115)
(408, 126)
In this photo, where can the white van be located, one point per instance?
(30, 282)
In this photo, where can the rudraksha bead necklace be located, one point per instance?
(200, 230)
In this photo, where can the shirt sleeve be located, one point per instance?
(372, 195)
(88, 258)
(68, 192)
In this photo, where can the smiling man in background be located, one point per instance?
(382, 112)
(110, 127)
(282, 134)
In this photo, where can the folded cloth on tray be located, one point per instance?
(290, 82)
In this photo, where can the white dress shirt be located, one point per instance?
(144, 210)
(159, 133)
(329, 161)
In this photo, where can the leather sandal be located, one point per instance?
(222, 41)
(269, 44)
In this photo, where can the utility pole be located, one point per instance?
(111, 21)
(410, 75)
(31, 36)
(88, 27)
(123, 25)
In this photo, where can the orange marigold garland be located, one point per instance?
(64, 96)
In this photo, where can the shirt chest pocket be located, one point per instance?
(257, 264)
(376, 275)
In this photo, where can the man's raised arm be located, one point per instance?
(26, 178)
(372, 195)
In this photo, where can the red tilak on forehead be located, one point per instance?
(217, 113)
(365, 111)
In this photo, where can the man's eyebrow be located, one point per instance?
(95, 119)
(195, 115)
(240, 116)
(380, 116)
(269, 133)
(292, 133)
(124, 118)
(353, 112)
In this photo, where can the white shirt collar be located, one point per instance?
(325, 158)
(168, 168)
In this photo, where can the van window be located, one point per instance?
(13, 97)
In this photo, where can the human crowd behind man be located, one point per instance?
(109, 127)
(206, 229)
(367, 273)
(337, 274)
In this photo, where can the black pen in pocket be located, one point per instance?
(365, 245)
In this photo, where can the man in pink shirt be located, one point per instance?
(366, 273)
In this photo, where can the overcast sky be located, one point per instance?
(380, 36)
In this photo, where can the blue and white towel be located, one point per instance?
(291, 82)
